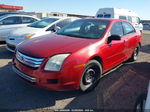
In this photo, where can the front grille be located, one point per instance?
(11, 47)
(29, 61)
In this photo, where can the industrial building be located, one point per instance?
(10, 8)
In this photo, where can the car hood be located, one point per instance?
(25, 30)
(53, 44)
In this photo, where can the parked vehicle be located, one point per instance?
(8, 23)
(119, 13)
(39, 28)
(77, 56)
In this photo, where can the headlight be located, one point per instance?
(29, 35)
(55, 62)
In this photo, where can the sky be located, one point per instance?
(85, 7)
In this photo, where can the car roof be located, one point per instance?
(22, 15)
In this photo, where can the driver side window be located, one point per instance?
(117, 29)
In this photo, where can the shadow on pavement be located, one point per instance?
(17, 95)
(5, 54)
(118, 90)
(145, 49)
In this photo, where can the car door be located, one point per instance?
(130, 37)
(114, 52)
(28, 20)
(7, 25)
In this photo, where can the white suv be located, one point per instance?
(8, 23)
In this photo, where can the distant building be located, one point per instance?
(49, 14)
(17, 9)
(7, 8)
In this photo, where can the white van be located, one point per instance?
(119, 13)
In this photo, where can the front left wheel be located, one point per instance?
(90, 76)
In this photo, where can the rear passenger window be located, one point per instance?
(63, 23)
(27, 20)
(11, 21)
(117, 29)
(123, 17)
(128, 28)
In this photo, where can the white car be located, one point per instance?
(39, 28)
(11, 22)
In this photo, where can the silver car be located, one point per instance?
(11, 22)
(39, 28)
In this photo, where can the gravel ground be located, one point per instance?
(117, 91)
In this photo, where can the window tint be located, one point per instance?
(104, 16)
(90, 29)
(27, 20)
(130, 18)
(100, 15)
(117, 29)
(43, 23)
(107, 16)
(123, 17)
(63, 23)
(11, 20)
(128, 28)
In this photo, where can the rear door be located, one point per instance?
(7, 25)
(130, 38)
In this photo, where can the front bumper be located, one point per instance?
(24, 76)
(56, 81)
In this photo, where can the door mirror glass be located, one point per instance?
(113, 37)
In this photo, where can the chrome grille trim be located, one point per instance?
(29, 61)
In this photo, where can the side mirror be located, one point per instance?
(54, 28)
(57, 28)
(113, 37)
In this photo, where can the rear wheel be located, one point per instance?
(135, 53)
(90, 76)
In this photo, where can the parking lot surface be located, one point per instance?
(116, 91)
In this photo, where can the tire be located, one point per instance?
(140, 103)
(135, 54)
(90, 76)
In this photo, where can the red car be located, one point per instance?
(78, 55)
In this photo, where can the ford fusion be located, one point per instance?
(78, 55)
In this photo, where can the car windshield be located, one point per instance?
(85, 28)
(43, 23)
